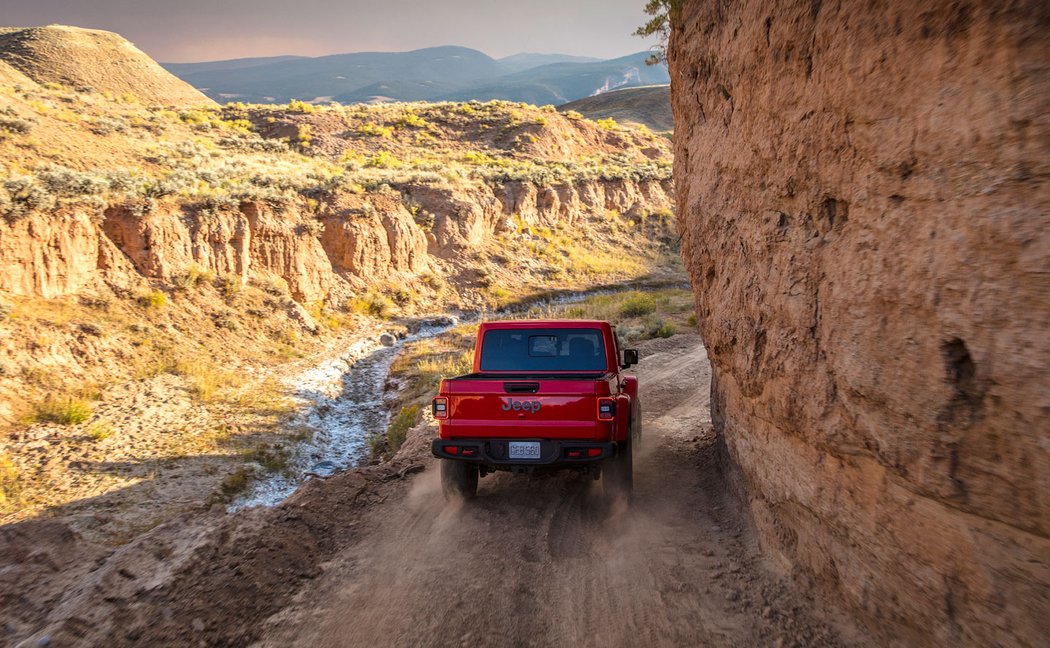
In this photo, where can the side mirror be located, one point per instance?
(630, 358)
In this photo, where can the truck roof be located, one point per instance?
(547, 323)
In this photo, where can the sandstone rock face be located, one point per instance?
(467, 218)
(48, 255)
(284, 244)
(355, 237)
(862, 194)
(165, 243)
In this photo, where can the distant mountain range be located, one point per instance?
(431, 74)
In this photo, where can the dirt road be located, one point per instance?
(374, 557)
(544, 562)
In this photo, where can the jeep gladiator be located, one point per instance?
(543, 395)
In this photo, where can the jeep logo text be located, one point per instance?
(521, 406)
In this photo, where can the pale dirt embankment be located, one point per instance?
(375, 557)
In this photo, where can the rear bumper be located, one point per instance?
(494, 452)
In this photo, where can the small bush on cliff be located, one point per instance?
(16, 126)
(375, 130)
(22, 195)
(412, 120)
(304, 136)
(230, 285)
(373, 303)
(297, 106)
(193, 277)
(152, 299)
(108, 125)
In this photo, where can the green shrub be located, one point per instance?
(230, 285)
(152, 299)
(234, 483)
(17, 126)
(304, 136)
(273, 458)
(297, 106)
(662, 329)
(64, 411)
(100, 430)
(375, 130)
(638, 305)
(374, 304)
(193, 277)
(384, 160)
(404, 421)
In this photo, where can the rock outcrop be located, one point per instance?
(356, 237)
(862, 191)
(57, 254)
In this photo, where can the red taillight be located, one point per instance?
(606, 409)
(593, 452)
(573, 454)
(439, 408)
(451, 449)
(469, 452)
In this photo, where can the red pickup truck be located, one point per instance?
(543, 395)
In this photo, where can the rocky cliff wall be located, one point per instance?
(355, 237)
(862, 191)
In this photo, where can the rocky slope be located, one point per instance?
(89, 58)
(862, 195)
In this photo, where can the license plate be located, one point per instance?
(524, 450)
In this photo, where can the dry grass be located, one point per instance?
(223, 155)
(207, 380)
(387, 445)
(64, 410)
(10, 483)
(423, 363)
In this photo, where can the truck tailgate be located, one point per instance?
(527, 409)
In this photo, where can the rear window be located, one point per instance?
(551, 349)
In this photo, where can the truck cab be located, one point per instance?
(543, 395)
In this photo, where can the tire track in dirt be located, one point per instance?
(547, 561)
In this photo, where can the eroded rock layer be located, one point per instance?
(862, 194)
(359, 238)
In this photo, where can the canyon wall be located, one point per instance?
(862, 193)
(322, 252)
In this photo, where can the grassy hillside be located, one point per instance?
(648, 105)
(93, 60)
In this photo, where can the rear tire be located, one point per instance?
(459, 479)
(618, 473)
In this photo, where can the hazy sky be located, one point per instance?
(197, 30)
